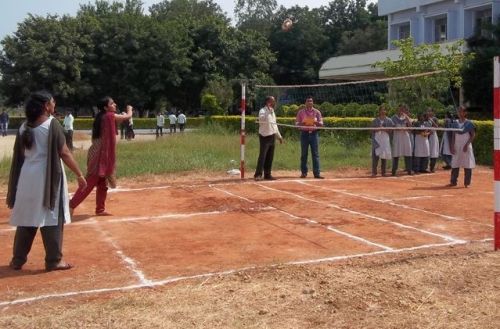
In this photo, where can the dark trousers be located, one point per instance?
(266, 155)
(69, 139)
(173, 128)
(432, 165)
(447, 159)
(52, 237)
(467, 176)
(309, 139)
(395, 165)
(420, 164)
(383, 163)
(159, 131)
(181, 126)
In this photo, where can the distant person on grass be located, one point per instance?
(181, 119)
(173, 120)
(4, 122)
(308, 119)
(38, 190)
(160, 122)
(68, 129)
(268, 132)
(101, 161)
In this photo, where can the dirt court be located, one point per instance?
(166, 232)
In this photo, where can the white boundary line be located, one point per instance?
(442, 236)
(392, 203)
(223, 273)
(129, 262)
(311, 221)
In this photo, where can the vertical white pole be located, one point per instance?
(242, 131)
(496, 154)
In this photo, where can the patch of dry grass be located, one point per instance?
(456, 287)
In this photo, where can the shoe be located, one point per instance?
(303, 176)
(447, 167)
(257, 178)
(452, 185)
(61, 266)
(466, 185)
(373, 175)
(15, 267)
(269, 178)
(319, 177)
(103, 213)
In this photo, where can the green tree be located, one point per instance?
(210, 105)
(421, 59)
(42, 54)
(478, 75)
(255, 15)
(300, 51)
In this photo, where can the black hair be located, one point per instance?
(96, 126)
(268, 98)
(34, 108)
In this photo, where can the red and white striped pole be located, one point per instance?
(242, 131)
(496, 154)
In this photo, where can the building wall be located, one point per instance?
(431, 21)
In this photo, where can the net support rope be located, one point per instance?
(369, 128)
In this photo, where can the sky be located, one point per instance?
(15, 11)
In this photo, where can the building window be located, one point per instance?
(404, 31)
(440, 29)
(482, 19)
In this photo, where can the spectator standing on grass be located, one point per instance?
(173, 120)
(129, 131)
(101, 158)
(68, 129)
(38, 190)
(401, 140)
(461, 148)
(181, 119)
(268, 132)
(4, 122)
(381, 141)
(308, 119)
(160, 122)
(433, 140)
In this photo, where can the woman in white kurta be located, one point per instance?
(38, 191)
(421, 151)
(401, 140)
(381, 143)
(461, 149)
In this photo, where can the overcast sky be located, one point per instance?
(15, 11)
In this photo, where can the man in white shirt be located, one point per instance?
(268, 131)
(160, 122)
(173, 120)
(181, 119)
(68, 129)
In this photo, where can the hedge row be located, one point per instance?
(483, 144)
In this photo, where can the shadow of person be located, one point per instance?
(79, 218)
(433, 188)
(7, 272)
